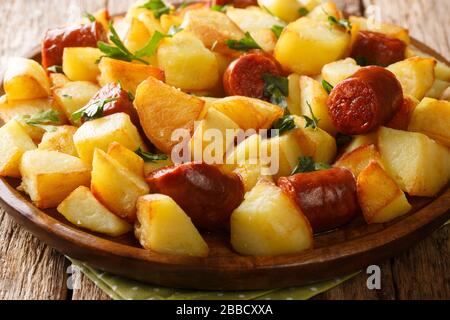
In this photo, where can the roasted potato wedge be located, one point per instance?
(81, 64)
(60, 140)
(340, 70)
(358, 159)
(127, 158)
(287, 10)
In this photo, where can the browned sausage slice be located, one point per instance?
(236, 3)
(244, 76)
(377, 49)
(366, 100)
(327, 198)
(56, 40)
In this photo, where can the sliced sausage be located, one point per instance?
(366, 100)
(236, 3)
(56, 40)
(377, 49)
(244, 76)
(328, 198)
(207, 194)
(121, 102)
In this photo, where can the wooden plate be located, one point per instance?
(336, 253)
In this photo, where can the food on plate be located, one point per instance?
(162, 226)
(83, 210)
(127, 158)
(206, 193)
(251, 173)
(419, 165)
(81, 64)
(25, 79)
(116, 186)
(388, 29)
(327, 198)
(269, 223)
(374, 48)
(366, 100)
(402, 118)
(163, 109)
(287, 10)
(435, 112)
(361, 140)
(100, 133)
(56, 40)
(337, 71)
(380, 198)
(245, 76)
(60, 139)
(14, 143)
(48, 177)
(357, 160)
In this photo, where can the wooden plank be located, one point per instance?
(28, 268)
(88, 291)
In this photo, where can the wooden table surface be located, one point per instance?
(31, 270)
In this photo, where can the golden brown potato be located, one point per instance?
(25, 79)
(432, 118)
(137, 37)
(162, 226)
(358, 159)
(82, 209)
(287, 10)
(130, 75)
(306, 45)
(324, 10)
(81, 64)
(441, 71)
(115, 186)
(163, 109)
(100, 133)
(268, 223)
(437, 89)
(60, 140)
(251, 174)
(127, 158)
(187, 64)
(380, 198)
(391, 30)
(50, 176)
(340, 70)
(361, 140)
(293, 100)
(13, 144)
(419, 165)
(416, 75)
(58, 80)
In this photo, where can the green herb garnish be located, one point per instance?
(311, 122)
(361, 61)
(245, 44)
(55, 69)
(44, 119)
(276, 89)
(131, 96)
(327, 86)
(307, 164)
(150, 157)
(284, 124)
(276, 29)
(219, 8)
(343, 23)
(93, 110)
(303, 11)
(158, 7)
(90, 17)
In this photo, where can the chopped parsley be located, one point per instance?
(307, 164)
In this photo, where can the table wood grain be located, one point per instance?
(31, 270)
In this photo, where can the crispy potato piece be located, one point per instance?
(25, 79)
(419, 165)
(130, 75)
(187, 64)
(432, 118)
(169, 20)
(416, 75)
(246, 152)
(324, 10)
(249, 113)
(380, 198)
(81, 64)
(73, 96)
(358, 159)
(340, 70)
(438, 88)
(164, 109)
(115, 186)
(441, 71)
(306, 45)
(314, 95)
(212, 28)
(287, 10)
(60, 140)
(100, 133)
(82, 209)
(293, 100)
(251, 174)
(50, 176)
(58, 80)
(164, 227)
(391, 30)
(268, 223)
(127, 158)
(13, 144)
(137, 37)
(361, 140)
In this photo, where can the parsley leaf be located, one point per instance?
(311, 122)
(245, 44)
(276, 89)
(131, 96)
(93, 110)
(158, 7)
(55, 69)
(327, 86)
(303, 11)
(90, 17)
(307, 164)
(150, 157)
(276, 29)
(284, 124)
(219, 8)
(43, 119)
(343, 23)
(361, 61)
(150, 48)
